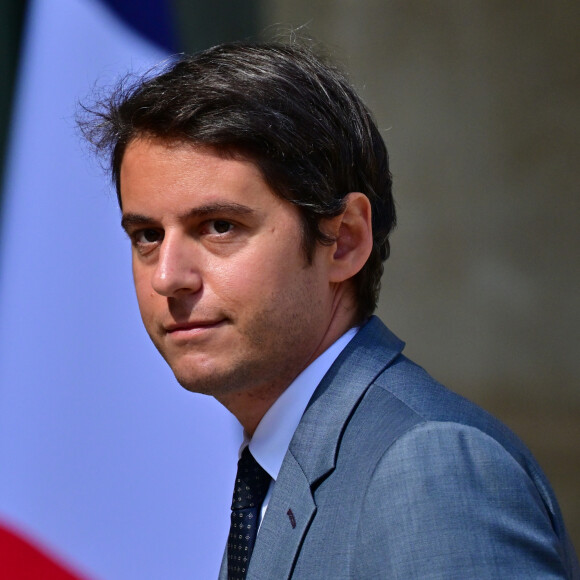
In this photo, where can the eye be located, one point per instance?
(146, 238)
(220, 226)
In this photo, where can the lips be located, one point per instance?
(192, 327)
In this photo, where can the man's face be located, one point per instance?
(224, 289)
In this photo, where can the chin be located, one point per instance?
(209, 383)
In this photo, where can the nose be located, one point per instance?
(176, 271)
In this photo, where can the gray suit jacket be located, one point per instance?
(390, 475)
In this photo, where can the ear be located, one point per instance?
(353, 234)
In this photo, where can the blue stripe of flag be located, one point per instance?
(153, 19)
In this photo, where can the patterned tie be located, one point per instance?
(251, 486)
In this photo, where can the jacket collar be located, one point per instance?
(371, 350)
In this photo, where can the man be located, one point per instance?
(255, 189)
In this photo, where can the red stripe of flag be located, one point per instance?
(20, 559)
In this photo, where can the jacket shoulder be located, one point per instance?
(447, 500)
(456, 472)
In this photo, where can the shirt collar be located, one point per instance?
(276, 429)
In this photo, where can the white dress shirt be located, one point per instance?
(276, 429)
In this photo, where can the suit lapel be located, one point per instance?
(312, 452)
(287, 519)
(223, 575)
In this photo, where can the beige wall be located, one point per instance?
(479, 103)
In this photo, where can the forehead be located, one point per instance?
(145, 150)
(162, 175)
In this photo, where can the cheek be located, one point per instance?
(234, 288)
(137, 277)
(254, 274)
(144, 293)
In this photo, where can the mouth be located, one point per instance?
(193, 328)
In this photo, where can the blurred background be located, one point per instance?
(478, 103)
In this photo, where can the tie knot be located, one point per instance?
(252, 483)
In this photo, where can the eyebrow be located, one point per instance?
(134, 219)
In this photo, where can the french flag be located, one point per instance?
(109, 470)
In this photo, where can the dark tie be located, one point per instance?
(251, 486)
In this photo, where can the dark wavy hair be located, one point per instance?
(282, 107)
